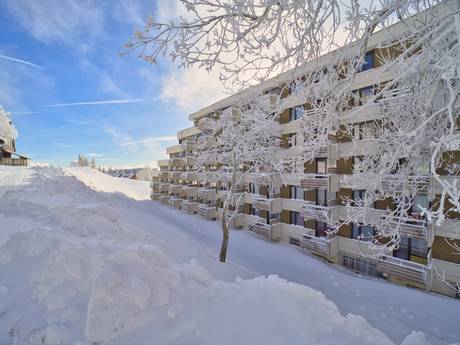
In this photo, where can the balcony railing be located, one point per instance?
(155, 196)
(207, 211)
(164, 187)
(312, 181)
(271, 205)
(208, 194)
(174, 189)
(396, 183)
(189, 206)
(175, 202)
(164, 175)
(408, 227)
(271, 231)
(403, 269)
(319, 245)
(176, 175)
(316, 212)
(164, 198)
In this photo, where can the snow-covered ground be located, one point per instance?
(86, 258)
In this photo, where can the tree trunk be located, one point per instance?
(224, 223)
(223, 248)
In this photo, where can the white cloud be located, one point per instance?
(192, 88)
(63, 20)
(154, 146)
(24, 62)
(94, 154)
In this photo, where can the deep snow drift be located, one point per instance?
(81, 265)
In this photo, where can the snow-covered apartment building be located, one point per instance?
(299, 211)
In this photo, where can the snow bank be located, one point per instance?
(138, 190)
(74, 271)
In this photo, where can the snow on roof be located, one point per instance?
(7, 129)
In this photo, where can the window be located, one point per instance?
(254, 211)
(253, 188)
(362, 232)
(292, 140)
(321, 229)
(297, 193)
(368, 62)
(358, 197)
(296, 218)
(409, 247)
(420, 202)
(321, 197)
(364, 130)
(296, 113)
(358, 163)
(321, 166)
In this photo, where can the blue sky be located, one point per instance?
(54, 53)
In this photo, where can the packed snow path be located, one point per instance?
(82, 265)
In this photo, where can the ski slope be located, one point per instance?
(86, 258)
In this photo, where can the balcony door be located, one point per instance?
(321, 166)
(321, 228)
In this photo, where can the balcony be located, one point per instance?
(270, 231)
(318, 245)
(271, 205)
(207, 194)
(177, 162)
(189, 206)
(175, 202)
(190, 160)
(408, 227)
(400, 183)
(155, 196)
(164, 187)
(175, 175)
(207, 211)
(187, 132)
(155, 185)
(316, 212)
(164, 199)
(188, 176)
(403, 269)
(176, 149)
(163, 163)
(164, 175)
(314, 181)
(190, 192)
(175, 189)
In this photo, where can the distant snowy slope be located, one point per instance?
(138, 190)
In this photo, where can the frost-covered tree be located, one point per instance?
(250, 41)
(8, 132)
(81, 160)
(241, 142)
(93, 163)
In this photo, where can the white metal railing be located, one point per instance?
(316, 212)
(403, 269)
(409, 227)
(317, 244)
(314, 181)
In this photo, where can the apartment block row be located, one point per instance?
(300, 208)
